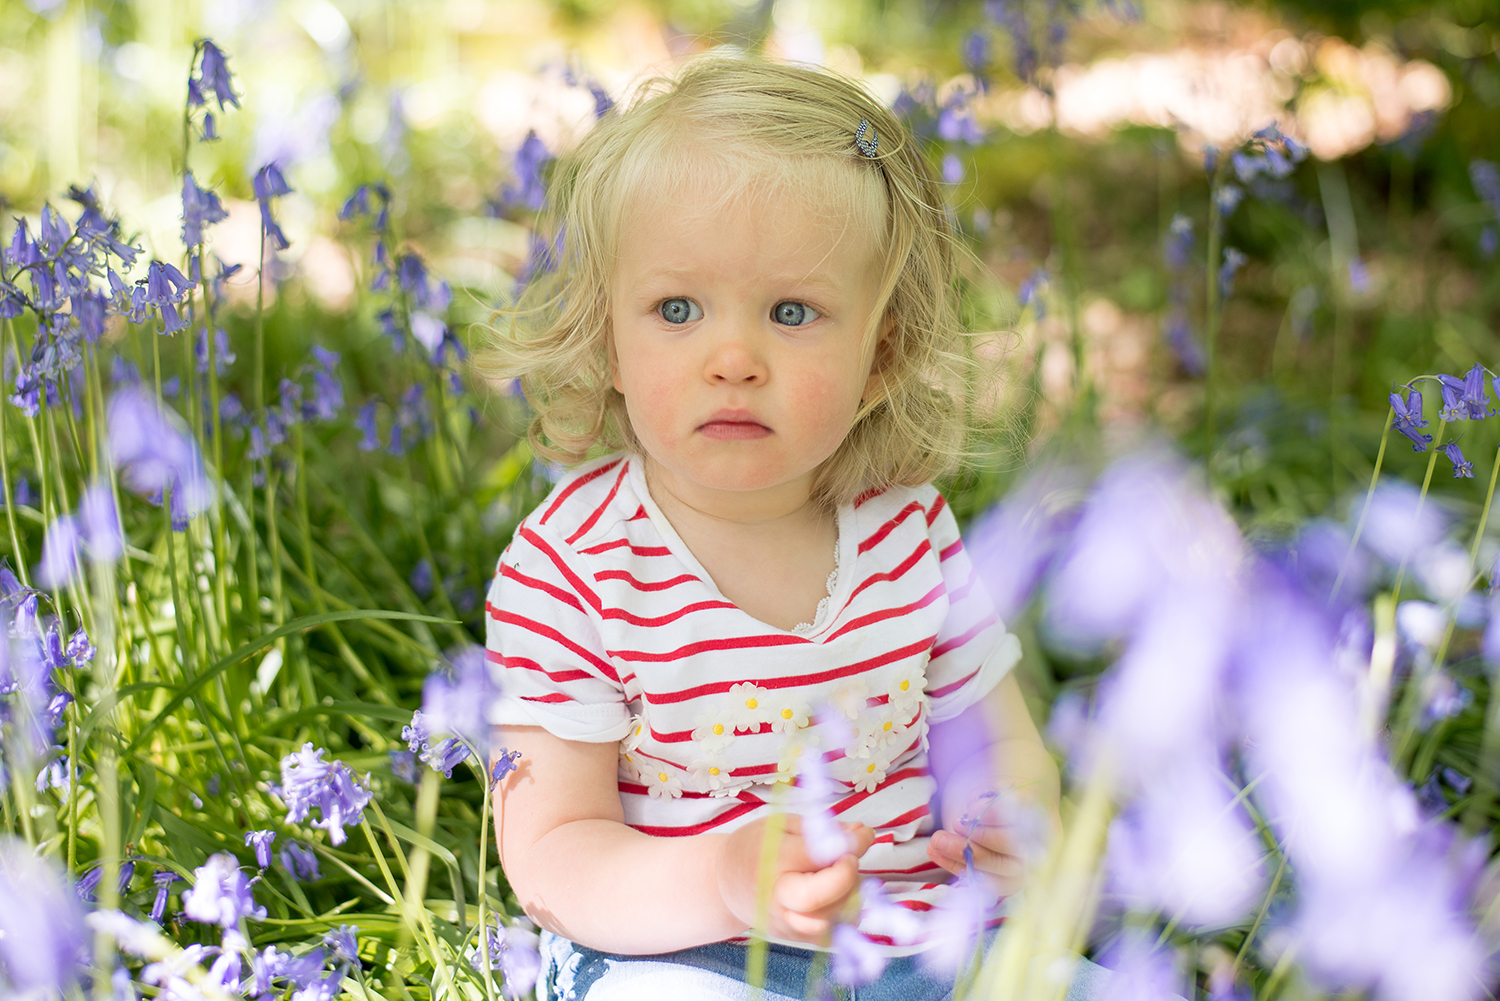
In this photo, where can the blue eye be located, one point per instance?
(794, 314)
(680, 310)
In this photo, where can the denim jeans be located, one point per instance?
(716, 972)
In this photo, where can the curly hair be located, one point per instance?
(745, 123)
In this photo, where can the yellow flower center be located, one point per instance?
(869, 769)
(751, 703)
(786, 714)
(713, 771)
(904, 684)
(886, 726)
(661, 776)
(718, 729)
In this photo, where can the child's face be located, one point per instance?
(738, 336)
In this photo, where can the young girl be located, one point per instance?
(755, 307)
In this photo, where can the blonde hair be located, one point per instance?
(771, 123)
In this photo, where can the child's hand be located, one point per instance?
(805, 897)
(1004, 833)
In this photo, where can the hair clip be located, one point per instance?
(869, 147)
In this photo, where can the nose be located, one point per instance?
(735, 360)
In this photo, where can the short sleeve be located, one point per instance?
(973, 650)
(543, 645)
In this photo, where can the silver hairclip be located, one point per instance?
(868, 146)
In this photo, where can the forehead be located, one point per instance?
(799, 211)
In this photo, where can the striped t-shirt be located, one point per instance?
(602, 626)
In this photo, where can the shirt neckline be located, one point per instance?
(844, 556)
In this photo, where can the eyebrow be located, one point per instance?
(668, 275)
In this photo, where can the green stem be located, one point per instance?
(1359, 526)
(1437, 441)
(1212, 314)
(10, 500)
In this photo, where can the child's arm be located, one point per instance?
(580, 872)
(994, 747)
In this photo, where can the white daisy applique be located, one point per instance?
(660, 782)
(714, 729)
(630, 765)
(850, 698)
(880, 729)
(798, 743)
(750, 705)
(636, 735)
(905, 690)
(711, 775)
(869, 774)
(788, 714)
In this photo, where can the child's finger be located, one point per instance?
(822, 890)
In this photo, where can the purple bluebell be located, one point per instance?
(270, 183)
(421, 578)
(976, 52)
(520, 962)
(813, 799)
(87, 887)
(1178, 333)
(365, 421)
(224, 355)
(146, 443)
(404, 766)
(1485, 176)
(1031, 290)
(307, 782)
(857, 961)
(505, 763)
(344, 942)
(300, 863)
(1227, 198)
(42, 933)
(200, 208)
(1409, 418)
(262, 842)
(529, 190)
(1462, 468)
(1452, 388)
(1177, 243)
(952, 169)
(1141, 969)
(1359, 276)
(954, 928)
(51, 717)
(1234, 259)
(446, 755)
(220, 894)
(956, 123)
(1247, 166)
(1012, 545)
(1475, 398)
(416, 733)
(99, 523)
(214, 77)
(163, 880)
(171, 388)
(458, 701)
(54, 775)
(1489, 241)
(1186, 849)
(60, 550)
(428, 330)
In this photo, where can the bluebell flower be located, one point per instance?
(153, 453)
(505, 763)
(365, 421)
(1409, 418)
(1454, 408)
(1462, 468)
(270, 183)
(214, 77)
(54, 775)
(1177, 242)
(416, 733)
(87, 887)
(163, 880)
(446, 755)
(210, 131)
(459, 702)
(421, 578)
(1178, 333)
(224, 355)
(1031, 292)
(976, 52)
(300, 863)
(1475, 398)
(60, 550)
(1489, 241)
(99, 523)
(42, 934)
(404, 766)
(220, 894)
(344, 942)
(200, 208)
(1228, 198)
(530, 189)
(603, 103)
(308, 782)
(857, 961)
(1234, 259)
(1485, 176)
(952, 169)
(1359, 276)
(261, 840)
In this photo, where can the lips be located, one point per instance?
(733, 425)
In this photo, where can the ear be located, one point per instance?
(614, 357)
(875, 384)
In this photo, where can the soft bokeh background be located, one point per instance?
(1074, 140)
